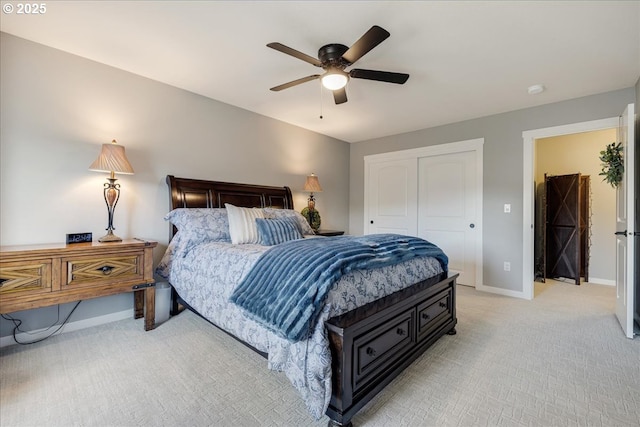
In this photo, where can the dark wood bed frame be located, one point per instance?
(370, 345)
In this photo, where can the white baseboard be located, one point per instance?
(69, 327)
(500, 291)
(606, 282)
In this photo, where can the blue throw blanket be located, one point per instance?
(287, 286)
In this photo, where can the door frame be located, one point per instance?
(475, 145)
(528, 193)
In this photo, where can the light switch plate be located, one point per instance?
(507, 208)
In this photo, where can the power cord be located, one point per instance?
(18, 322)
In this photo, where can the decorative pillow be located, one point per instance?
(242, 223)
(305, 228)
(201, 224)
(274, 231)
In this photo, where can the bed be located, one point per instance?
(373, 325)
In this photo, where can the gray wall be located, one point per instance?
(56, 111)
(503, 160)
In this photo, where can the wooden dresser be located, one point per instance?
(33, 276)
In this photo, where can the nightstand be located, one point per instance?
(33, 276)
(329, 233)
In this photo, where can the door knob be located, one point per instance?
(371, 222)
(472, 225)
(621, 233)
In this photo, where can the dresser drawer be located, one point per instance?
(381, 346)
(434, 312)
(92, 271)
(25, 278)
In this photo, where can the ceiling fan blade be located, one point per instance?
(296, 54)
(381, 76)
(368, 41)
(340, 96)
(294, 83)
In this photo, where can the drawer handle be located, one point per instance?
(425, 316)
(400, 331)
(443, 304)
(106, 270)
(371, 352)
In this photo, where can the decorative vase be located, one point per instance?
(312, 216)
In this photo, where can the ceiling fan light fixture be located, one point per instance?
(335, 79)
(333, 58)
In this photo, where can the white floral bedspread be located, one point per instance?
(205, 275)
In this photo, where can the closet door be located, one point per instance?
(448, 209)
(563, 227)
(391, 189)
(433, 192)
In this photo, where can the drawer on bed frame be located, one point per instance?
(372, 344)
(434, 312)
(377, 348)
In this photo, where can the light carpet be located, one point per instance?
(559, 360)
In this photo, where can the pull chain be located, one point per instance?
(320, 100)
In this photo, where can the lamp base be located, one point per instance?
(109, 237)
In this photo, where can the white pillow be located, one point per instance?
(242, 224)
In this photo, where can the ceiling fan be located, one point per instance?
(334, 58)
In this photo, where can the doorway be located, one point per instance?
(560, 157)
(529, 184)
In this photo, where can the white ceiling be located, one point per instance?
(466, 59)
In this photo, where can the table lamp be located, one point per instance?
(113, 160)
(310, 212)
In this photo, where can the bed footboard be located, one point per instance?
(372, 344)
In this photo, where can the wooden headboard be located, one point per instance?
(195, 193)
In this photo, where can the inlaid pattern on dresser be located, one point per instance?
(33, 276)
(89, 271)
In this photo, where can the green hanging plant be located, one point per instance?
(612, 164)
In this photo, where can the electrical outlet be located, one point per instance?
(507, 266)
(507, 208)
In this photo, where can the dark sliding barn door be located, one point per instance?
(566, 227)
(584, 206)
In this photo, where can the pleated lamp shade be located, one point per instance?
(312, 184)
(112, 159)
